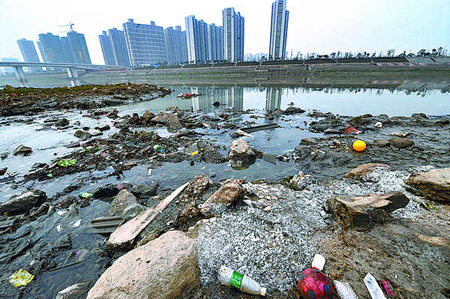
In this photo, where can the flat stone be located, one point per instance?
(22, 150)
(361, 171)
(76, 291)
(381, 143)
(401, 142)
(103, 128)
(125, 234)
(357, 211)
(434, 184)
(23, 203)
(82, 134)
(400, 134)
(163, 268)
(227, 194)
(145, 191)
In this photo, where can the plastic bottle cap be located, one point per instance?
(318, 262)
(263, 292)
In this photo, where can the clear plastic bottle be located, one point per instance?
(240, 281)
(373, 287)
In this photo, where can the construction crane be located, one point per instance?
(70, 25)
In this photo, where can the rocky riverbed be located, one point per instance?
(263, 205)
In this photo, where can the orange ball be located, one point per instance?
(359, 145)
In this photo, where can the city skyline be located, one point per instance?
(322, 26)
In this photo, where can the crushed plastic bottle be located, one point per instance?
(344, 290)
(240, 281)
(85, 195)
(373, 287)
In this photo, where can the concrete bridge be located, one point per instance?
(72, 69)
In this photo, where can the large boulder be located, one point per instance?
(227, 194)
(23, 203)
(146, 118)
(169, 119)
(241, 154)
(163, 268)
(365, 209)
(360, 172)
(434, 184)
(63, 122)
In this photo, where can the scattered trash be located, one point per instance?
(314, 284)
(67, 163)
(349, 130)
(76, 223)
(194, 153)
(260, 128)
(359, 145)
(50, 175)
(85, 195)
(240, 281)
(187, 95)
(378, 125)
(400, 134)
(388, 288)
(21, 278)
(318, 262)
(373, 287)
(149, 171)
(344, 290)
(158, 149)
(239, 133)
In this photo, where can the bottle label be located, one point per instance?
(236, 279)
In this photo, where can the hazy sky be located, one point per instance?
(321, 26)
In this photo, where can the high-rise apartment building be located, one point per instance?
(278, 30)
(29, 53)
(79, 48)
(233, 35)
(145, 43)
(41, 51)
(196, 35)
(176, 45)
(65, 44)
(215, 43)
(119, 47)
(52, 48)
(107, 50)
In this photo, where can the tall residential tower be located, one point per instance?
(233, 35)
(29, 53)
(176, 45)
(145, 43)
(107, 50)
(278, 30)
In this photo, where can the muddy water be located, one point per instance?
(49, 143)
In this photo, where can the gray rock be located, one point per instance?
(22, 150)
(358, 211)
(63, 243)
(82, 134)
(163, 268)
(381, 143)
(132, 211)
(103, 128)
(122, 200)
(144, 192)
(241, 154)
(63, 122)
(293, 110)
(401, 142)
(23, 203)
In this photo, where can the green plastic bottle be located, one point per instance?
(240, 281)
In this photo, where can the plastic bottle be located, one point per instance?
(373, 287)
(240, 281)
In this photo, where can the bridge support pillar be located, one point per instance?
(73, 75)
(20, 76)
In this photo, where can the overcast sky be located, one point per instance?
(321, 26)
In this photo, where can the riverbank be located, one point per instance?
(279, 202)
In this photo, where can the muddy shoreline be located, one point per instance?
(52, 234)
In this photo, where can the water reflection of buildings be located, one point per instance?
(228, 97)
(273, 98)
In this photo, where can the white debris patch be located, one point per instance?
(271, 246)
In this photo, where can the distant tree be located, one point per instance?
(390, 53)
(421, 53)
(440, 50)
(263, 58)
(333, 55)
(374, 54)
